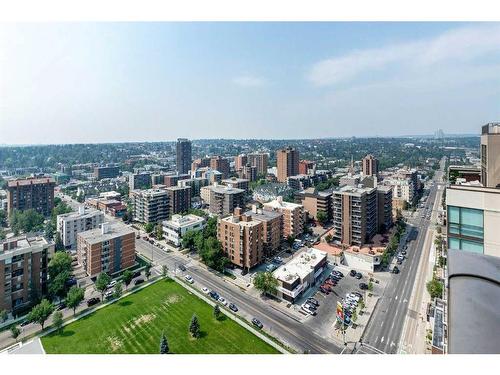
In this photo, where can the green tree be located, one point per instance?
(164, 270)
(60, 262)
(212, 254)
(127, 277)
(290, 240)
(265, 282)
(74, 297)
(322, 217)
(370, 286)
(15, 332)
(118, 290)
(149, 227)
(57, 285)
(211, 228)
(26, 221)
(102, 282)
(57, 320)
(147, 270)
(217, 312)
(3, 316)
(41, 312)
(164, 349)
(194, 327)
(435, 288)
(328, 238)
(188, 239)
(159, 232)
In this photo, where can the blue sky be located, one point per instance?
(72, 83)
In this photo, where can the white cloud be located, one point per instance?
(455, 46)
(249, 81)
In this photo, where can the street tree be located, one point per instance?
(265, 282)
(435, 288)
(217, 312)
(74, 297)
(3, 315)
(194, 327)
(15, 332)
(60, 262)
(322, 217)
(159, 232)
(58, 286)
(41, 312)
(57, 320)
(102, 283)
(164, 349)
(127, 277)
(149, 227)
(147, 270)
(118, 290)
(164, 270)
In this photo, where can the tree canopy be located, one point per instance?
(265, 282)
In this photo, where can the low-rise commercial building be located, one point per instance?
(110, 249)
(70, 224)
(241, 237)
(23, 271)
(175, 228)
(299, 274)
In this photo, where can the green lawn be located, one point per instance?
(134, 325)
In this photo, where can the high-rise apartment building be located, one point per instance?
(260, 161)
(109, 171)
(23, 271)
(354, 215)
(70, 224)
(184, 158)
(384, 208)
(195, 184)
(200, 163)
(370, 166)
(316, 201)
(224, 199)
(248, 172)
(287, 163)
(272, 228)
(140, 181)
(242, 239)
(179, 199)
(490, 155)
(31, 193)
(220, 164)
(150, 206)
(307, 167)
(293, 216)
(240, 161)
(110, 249)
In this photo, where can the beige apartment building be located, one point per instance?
(370, 165)
(241, 237)
(260, 161)
(287, 163)
(490, 155)
(293, 216)
(109, 249)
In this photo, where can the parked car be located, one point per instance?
(137, 237)
(93, 301)
(399, 261)
(314, 301)
(353, 273)
(324, 290)
(138, 281)
(363, 286)
(256, 322)
(222, 301)
(112, 284)
(61, 306)
(338, 273)
(404, 251)
(395, 270)
(310, 306)
(108, 294)
(358, 294)
(306, 308)
(189, 279)
(214, 295)
(25, 323)
(136, 274)
(205, 290)
(233, 307)
(359, 275)
(182, 268)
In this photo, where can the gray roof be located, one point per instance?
(473, 303)
(114, 230)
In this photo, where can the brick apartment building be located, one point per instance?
(293, 218)
(31, 193)
(179, 199)
(287, 163)
(272, 228)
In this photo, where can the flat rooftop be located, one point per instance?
(276, 204)
(183, 220)
(300, 266)
(354, 190)
(89, 212)
(263, 215)
(223, 189)
(114, 230)
(30, 181)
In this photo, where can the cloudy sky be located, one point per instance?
(112, 82)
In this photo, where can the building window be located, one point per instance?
(465, 229)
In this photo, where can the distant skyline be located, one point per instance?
(135, 82)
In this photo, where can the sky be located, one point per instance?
(114, 82)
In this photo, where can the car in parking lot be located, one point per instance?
(363, 286)
(353, 273)
(404, 251)
(324, 290)
(395, 270)
(205, 290)
(307, 308)
(233, 307)
(256, 322)
(335, 272)
(399, 261)
(313, 301)
(359, 275)
(358, 294)
(93, 301)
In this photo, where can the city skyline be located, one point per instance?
(142, 82)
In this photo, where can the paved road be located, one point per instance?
(286, 328)
(385, 327)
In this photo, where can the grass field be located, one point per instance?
(134, 325)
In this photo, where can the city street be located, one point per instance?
(386, 325)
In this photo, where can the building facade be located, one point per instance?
(183, 155)
(179, 199)
(23, 271)
(490, 155)
(70, 224)
(384, 208)
(239, 183)
(220, 164)
(293, 216)
(223, 200)
(272, 229)
(109, 171)
(370, 165)
(315, 201)
(31, 193)
(109, 249)
(140, 181)
(150, 206)
(175, 228)
(260, 161)
(287, 163)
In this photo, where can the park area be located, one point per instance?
(135, 324)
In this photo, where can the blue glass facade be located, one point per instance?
(466, 229)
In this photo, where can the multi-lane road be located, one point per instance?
(386, 324)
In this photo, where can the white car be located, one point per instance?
(352, 297)
(189, 279)
(112, 284)
(306, 308)
(205, 290)
(223, 301)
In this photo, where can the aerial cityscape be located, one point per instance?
(192, 231)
